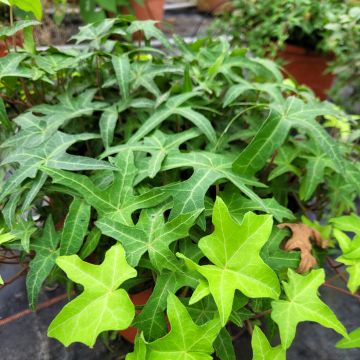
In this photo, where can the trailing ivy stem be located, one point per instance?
(11, 24)
(232, 121)
(343, 291)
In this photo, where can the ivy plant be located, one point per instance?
(126, 167)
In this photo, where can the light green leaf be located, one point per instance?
(44, 261)
(121, 66)
(102, 306)
(33, 6)
(151, 234)
(347, 223)
(262, 349)
(75, 227)
(236, 259)
(352, 341)
(186, 340)
(303, 304)
(1, 281)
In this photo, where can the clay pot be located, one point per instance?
(214, 6)
(308, 68)
(10, 42)
(149, 9)
(140, 298)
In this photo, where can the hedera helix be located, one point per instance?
(131, 167)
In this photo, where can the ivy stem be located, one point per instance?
(232, 121)
(343, 291)
(15, 277)
(338, 272)
(11, 24)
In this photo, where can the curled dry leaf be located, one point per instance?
(301, 239)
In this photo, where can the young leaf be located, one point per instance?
(33, 6)
(75, 227)
(262, 349)
(352, 341)
(150, 234)
(102, 306)
(303, 304)
(186, 340)
(234, 249)
(44, 261)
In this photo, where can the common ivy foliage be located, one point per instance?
(132, 167)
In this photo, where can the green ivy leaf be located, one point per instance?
(151, 319)
(302, 304)
(107, 124)
(118, 201)
(53, 154)
(350, 248)
(151, 234)
(262, 349)
(277, 258)
(236, 259)
(186, 340)
(174, 106)
(353, 340)
(158, 145)
(148, 27)
(208, 168)
(121, 66)
(272, 134)
(102, 306)
(44, 261)
(239, 205)
(75, 227)
(7, 31)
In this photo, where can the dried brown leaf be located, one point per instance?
(301, 240)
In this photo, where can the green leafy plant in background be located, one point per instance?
(328, 27)
(127, 168)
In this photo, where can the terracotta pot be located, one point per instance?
(140, 298)
(308, 68)
(149, 9)
(10, 42)
(214, 6)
